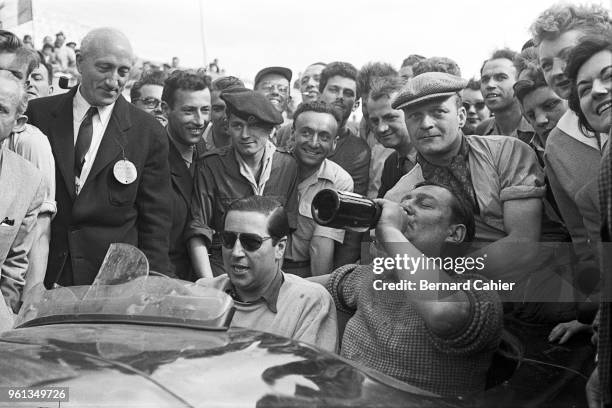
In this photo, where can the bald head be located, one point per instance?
(105, 62)
(13, 102)
(105, 38)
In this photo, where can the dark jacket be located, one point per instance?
(105, 211)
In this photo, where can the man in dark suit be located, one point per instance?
(113, 179)
(186, 104)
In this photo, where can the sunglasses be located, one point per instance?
(250, 242)
(477, 105)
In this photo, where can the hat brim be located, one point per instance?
(282, 71)
(421, 100)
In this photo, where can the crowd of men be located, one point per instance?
(214, 183)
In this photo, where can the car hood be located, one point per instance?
(121, 365)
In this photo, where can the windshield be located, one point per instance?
(124, 288)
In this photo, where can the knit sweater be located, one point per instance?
(388, 334)
(305, 312)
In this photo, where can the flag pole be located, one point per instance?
(202, 32)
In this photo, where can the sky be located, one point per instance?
(247, 35)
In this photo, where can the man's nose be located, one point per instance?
(382, 127)
(200, 118)
(558, 67)
(314, 141)
(237, 250)
(427, 122)
(541, 119)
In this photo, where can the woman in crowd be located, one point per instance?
(590, 70)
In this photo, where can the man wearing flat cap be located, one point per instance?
(498, 175)
(251, 165)
(275, 84)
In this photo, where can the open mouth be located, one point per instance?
(492, 95)
(240, 269)
(603, 107)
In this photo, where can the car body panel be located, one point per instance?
(107, 365)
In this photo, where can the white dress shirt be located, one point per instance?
(100, 121)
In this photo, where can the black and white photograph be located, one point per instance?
(331, 203)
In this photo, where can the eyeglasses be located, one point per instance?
(478, 105)
(150, 103)
(250, 242)
(269, 87)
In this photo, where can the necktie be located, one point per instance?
(83, 140)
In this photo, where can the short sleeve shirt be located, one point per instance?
(330, 175)
(502, 169)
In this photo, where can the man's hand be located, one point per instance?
(392, 215)
(564, 331)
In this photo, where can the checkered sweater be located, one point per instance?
(387, 333)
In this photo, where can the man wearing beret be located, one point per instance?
(498, 175)
(251, 165)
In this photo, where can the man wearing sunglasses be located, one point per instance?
(474, 105)
(254, 239)
(251, 165)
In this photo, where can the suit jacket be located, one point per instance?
(182, 187)
(23, 191)
(105, 211)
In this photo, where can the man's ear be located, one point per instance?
(462, 114)
(50, 89)
(456, 234)
(79, 61)
(20, 123)
(279, 250)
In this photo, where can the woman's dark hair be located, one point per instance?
(586, 48)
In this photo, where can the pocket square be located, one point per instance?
(8, 222)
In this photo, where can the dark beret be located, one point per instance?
(282, 71)
(251, 106)
(428, 86)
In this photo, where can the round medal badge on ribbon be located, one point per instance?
(125, 171)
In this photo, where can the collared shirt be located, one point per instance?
(569, 124)
(269, 297)
(523, 131)
(186, 152)
(100, 121)
(329, 175)
(258, 186)
(209, 141)
(219, 181)
(456, 175)
(33, 145)
(502, 168)
(394, 168)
